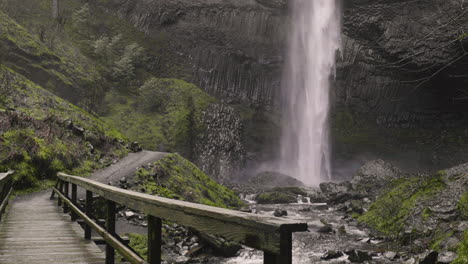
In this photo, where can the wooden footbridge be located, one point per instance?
(43, 228)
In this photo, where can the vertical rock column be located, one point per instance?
(219, 151)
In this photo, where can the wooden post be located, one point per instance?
(110, 225)
(154, 239)
(285, 255)
(65, 206)
(73, 199)
(60, 186)
(56, 186)
(88, 211)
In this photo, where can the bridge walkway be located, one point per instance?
(35, 230)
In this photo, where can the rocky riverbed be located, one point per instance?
(382, 215)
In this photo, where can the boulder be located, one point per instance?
(280, 213)
(374, 175)
(135, 147)
(446, 257)
(220, 245)
(357, 256)
(390, 255)
(429, 258)
(332, 254)
(336, 193)
(269, 179)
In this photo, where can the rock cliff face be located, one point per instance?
(401, 62)
(233, 48)
(220, 150)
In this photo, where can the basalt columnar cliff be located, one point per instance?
(399, 93)
(400, 71)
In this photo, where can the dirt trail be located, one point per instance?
(127, 166)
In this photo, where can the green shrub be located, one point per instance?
(177, 178)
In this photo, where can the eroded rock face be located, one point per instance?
(374, 175)
(236, 49)
(393, 56)
(400, 63)
(219, 150)
(233, 48)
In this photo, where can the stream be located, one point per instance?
(340, 233)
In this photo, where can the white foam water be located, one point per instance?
(313, 44)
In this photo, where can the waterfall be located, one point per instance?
(313, 43)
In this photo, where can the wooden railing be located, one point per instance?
(6, 187)
(269, 234)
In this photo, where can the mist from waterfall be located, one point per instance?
(313, 42)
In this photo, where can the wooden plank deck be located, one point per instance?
(35, 230)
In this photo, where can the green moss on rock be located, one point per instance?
(462, 206)
(389, 213)
(281, 195)
(462, 250)
(177, 178)
(276, 198)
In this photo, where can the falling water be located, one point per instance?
(314, 40)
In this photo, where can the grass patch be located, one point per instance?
(462, 250)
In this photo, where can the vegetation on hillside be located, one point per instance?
(177, 178)
(165, 115)
(42, 134)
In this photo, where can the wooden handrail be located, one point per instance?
(271, 234)
(6, 187)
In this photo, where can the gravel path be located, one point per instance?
(127, 166)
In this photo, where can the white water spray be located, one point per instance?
(314, 40)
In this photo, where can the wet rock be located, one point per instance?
(194, 250)
(331, 254)
(282, 195)
(357, 256)
(135, 147)
(280, 213)
(330, 188)
(220, 245)
(341, 230)
(336, 193)
(390, 255)
(181, 260)
(446, 258)
(321, 227)
(129, 214)
(269, 180)
(374, 175)
(429, 258)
